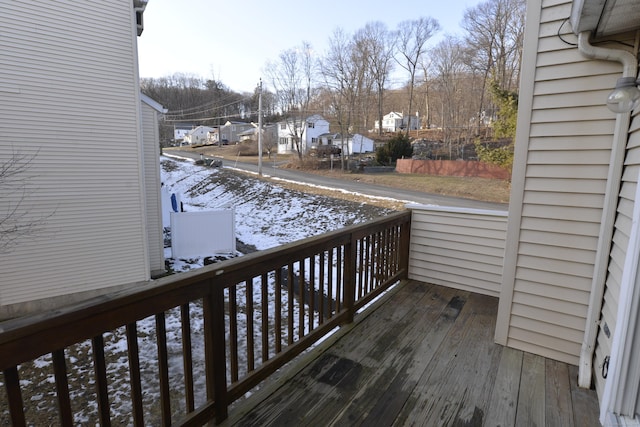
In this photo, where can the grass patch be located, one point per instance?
(483, 189)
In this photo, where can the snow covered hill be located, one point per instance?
(267, 215)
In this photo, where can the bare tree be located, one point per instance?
(412, 37)
(345, 76)
(453, 83)
(427, 116)
(269, 141)
(494, 37)
(15, 220)
(292, 77)
(377, 44)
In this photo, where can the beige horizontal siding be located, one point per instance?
(563, 145)
(462, 249)
(620, 243)
(153, 205)
(73, 106)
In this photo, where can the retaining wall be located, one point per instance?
(452, 168)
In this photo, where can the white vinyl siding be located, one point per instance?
(458, 248)
(563, 147)
(73, 106)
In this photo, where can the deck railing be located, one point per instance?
(215, 333)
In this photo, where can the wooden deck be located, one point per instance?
(425, 357)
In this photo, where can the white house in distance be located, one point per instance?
(230, 131)
(180, 130)
(395, 122)
(269, 134)
(213, 136)
(90, 187)
(199, 135)
(353, 144)
(310, 130)
(359, 144)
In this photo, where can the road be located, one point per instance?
(408, 196)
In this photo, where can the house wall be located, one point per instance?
(563, 146)
(285, 138)
(358, 144)
(198, 135)
(69, 82)
(390, 122)
(286, 131)
(232, 130)
(458, 248)
(320, 126)
(151, 148)
(619, 245)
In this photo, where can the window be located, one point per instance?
(314, 140)
(311, 125)
(283, 141)
(283, 126)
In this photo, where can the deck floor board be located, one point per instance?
(424, 357)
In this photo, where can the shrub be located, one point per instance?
(500, 156)
(396, 148)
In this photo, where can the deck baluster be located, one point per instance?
(290, 299)
(14, 395)
(312, 291)
(233, 334)
(100, 369)
(301, 297)
(134, 374)
(339, 279)
(218, 354)
(251, 365)
(350, 269)
(187, 357)
(278, 311)
(264, 286)
(62, 387)
(163, 368)
(321, 296)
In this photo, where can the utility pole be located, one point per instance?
(260, 129)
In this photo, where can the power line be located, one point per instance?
(205, 108)
(201, 119)
(175, 117)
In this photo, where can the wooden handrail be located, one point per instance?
(259, 312)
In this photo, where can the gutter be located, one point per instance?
(614, 179)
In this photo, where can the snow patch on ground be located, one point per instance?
(267, 215)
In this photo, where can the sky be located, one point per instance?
(231, 42)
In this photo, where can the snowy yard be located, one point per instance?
(267, 215)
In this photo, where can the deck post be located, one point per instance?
(405, 238)
(350, 257)
(215, 351)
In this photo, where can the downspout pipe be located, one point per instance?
(614, 178)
